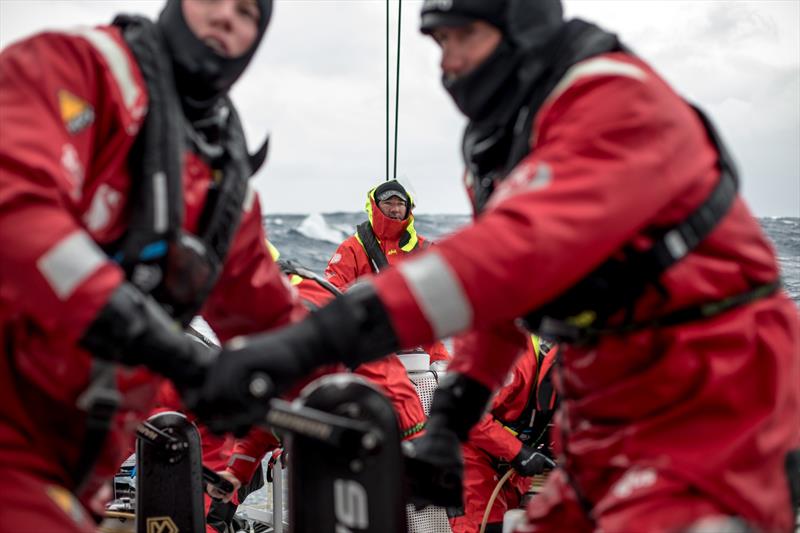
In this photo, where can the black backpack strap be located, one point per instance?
(370, 243)
(588, 335)
(156, 161)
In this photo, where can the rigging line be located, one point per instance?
(387, 90)
(397, 84)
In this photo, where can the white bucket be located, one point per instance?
(513, 519)
(415, 362)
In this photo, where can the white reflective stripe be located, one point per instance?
(236, 456)
(600, 66)
(676, 244)
(543, 177)
(438, 292)
(117, 61)
(70, 262)
(160, 202)
(249, 198)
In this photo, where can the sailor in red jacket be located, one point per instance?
(507, 437)
(386, 237)
(606, 215)
(124, 211)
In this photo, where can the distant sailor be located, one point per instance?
(514, 434)
(386, 237)
(124, 211)
(606, 214)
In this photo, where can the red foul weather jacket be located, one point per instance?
(72, 105)
(713, 404)
(397, 238)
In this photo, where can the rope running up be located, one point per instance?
(397, 87)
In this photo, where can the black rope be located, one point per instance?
(397, 84)
(387, 90)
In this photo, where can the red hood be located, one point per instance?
(386, 228)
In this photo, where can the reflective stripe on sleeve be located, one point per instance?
(249, 199)
(160, 202)
(438, 293)
(237, 456)
(600, 66)
(70, 262)
(117, 61)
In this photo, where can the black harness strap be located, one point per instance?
(370, 243)
(690, 314)
(156, 161)
(533, 420)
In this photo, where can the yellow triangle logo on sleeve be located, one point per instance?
(76, 113)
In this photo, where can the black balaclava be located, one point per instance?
(201, 75)
(527, 27)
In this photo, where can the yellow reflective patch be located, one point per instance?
(273, 251)
(65, 501)
(161, 524)
(392, 252)
(76, 113)
(509, 430)
(582, 320)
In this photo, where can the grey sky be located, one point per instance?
(317, 84)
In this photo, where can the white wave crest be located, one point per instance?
(315, 227)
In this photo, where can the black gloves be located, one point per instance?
(435, 465)
(133, 329)
(352, 329)
(529, 462)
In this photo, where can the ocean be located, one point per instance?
(311, 239)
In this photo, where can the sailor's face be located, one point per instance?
(393, 207)
(229, 27)
(465, 47)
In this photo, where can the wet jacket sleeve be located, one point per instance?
(493, 438)
(345, 264)
(52, 270)
(608, 158)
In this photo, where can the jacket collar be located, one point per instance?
(389, 229)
